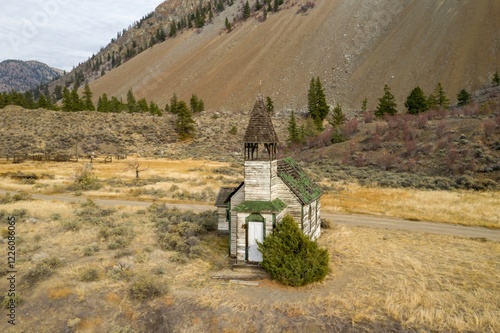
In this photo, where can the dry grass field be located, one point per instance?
(85, 268)
(102, 265)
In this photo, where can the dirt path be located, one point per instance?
(352, 220)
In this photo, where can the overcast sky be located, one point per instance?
(62, 33)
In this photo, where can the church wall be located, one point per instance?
(236, 199)
(258, 180)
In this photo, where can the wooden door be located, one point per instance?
(255, 234)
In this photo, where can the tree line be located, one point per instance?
(319, 110)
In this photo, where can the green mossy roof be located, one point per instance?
(261, 206)
(298, 181)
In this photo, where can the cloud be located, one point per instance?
(63, 33)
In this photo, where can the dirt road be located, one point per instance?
(352, 220)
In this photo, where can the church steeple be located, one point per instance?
(260, 138)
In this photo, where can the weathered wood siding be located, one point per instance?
(236, 199)
(222, 224)
(259, 175)
(316, 231)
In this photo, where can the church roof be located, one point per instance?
(223, 195)
(260, 128)
(298, 181)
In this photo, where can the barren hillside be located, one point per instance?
(354, 46)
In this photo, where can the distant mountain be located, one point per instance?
(25, 75)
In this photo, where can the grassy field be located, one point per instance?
(85, 268)
(199, 180)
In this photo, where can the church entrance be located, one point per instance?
(255, 234)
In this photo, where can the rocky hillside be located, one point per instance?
(354, 46)
(25, 75)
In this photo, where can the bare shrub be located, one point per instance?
(441, 129)
(488, 128)
(386, 161)
(380, 129)
(421, 120)
(411, 147)
(369, 117)
(375, 142)
(351, 127)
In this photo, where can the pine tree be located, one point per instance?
(131, 102)
(142, 105)
(463, 97)
(228, 25)
(173, 104)
(193, 103)
(103, 104)
(431, 102)
(387, 103)
(364, 106)
(173, 29)
(154, 109)
(496, 79)
(337, 117)
(293, 131)
(184, 124)
(316, 102)
(246, 10)
(416, 102)
(87, 98)
(76, 101)
(440, 96)
(43, 103)
(258, 5)
(270, 105)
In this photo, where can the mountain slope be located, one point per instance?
(25, 75)
(354, 46)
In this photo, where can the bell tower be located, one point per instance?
(260, 150)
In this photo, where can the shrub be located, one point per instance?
(292, 258)
(90, 274)
(146, 287)
(41, 271)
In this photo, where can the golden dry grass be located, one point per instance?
(470, 208)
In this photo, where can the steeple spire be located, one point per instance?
(260, 131)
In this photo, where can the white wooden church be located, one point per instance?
(271, 189)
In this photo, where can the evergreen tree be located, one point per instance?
(173, 104)
(316, 102)
(269, 105)
(246, 10)
(173, 29)
(431, 102)
(496, 79)
(154, 109)
(276, 5)
(184, 124)
(116, 105)
(87, 98)
(416, 102)
(76, 101)
(58, 92)
(103, 104)
(291, 257)
(43, 103)
(66, 100)
(258, 5)
(463, 97)
(193, 103)
(337, 117)
(293, 131)
(142, 105)
(131, 102)
(364, 106)
(440, 96)
(228, 25)
(387, 103)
